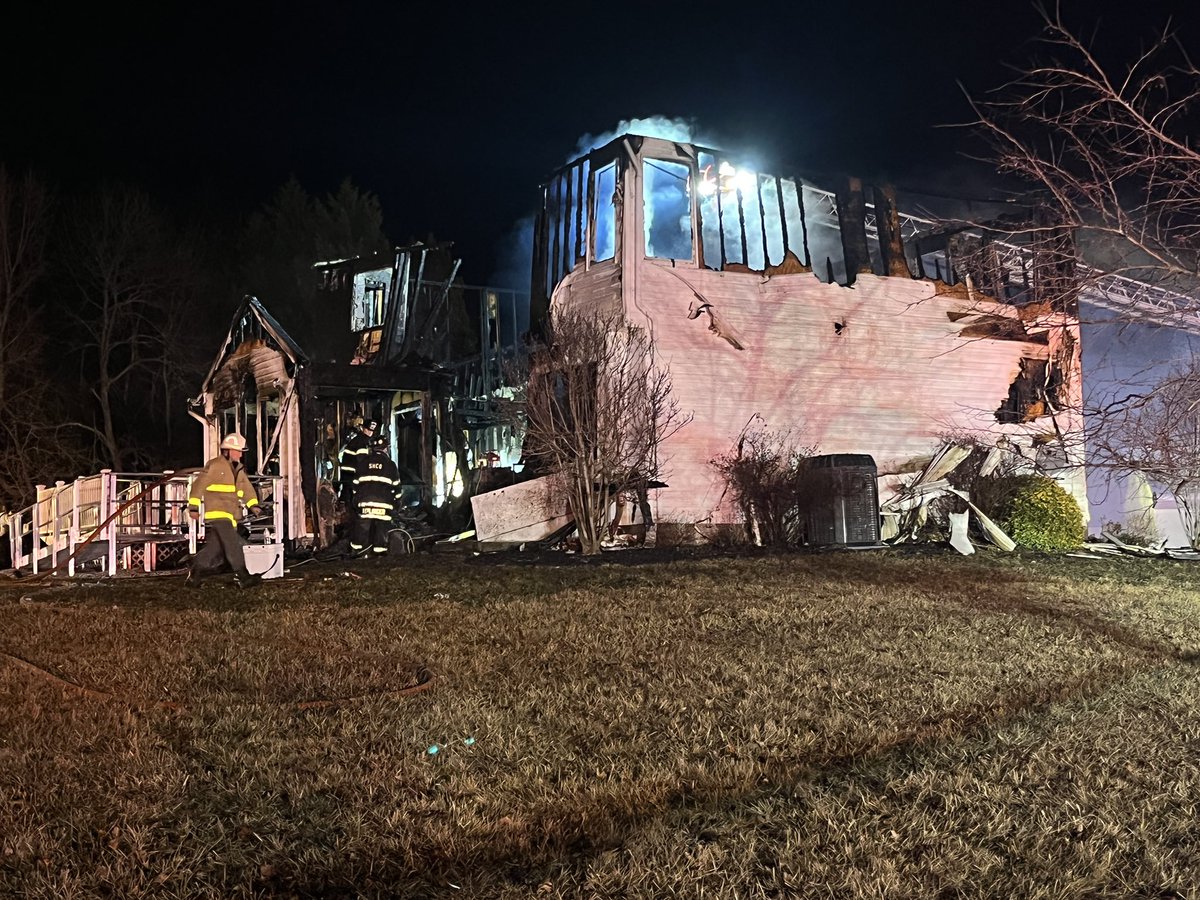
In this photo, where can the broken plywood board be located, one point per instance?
(520, 513)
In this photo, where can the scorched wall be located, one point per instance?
(879, 368)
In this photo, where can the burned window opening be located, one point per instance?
(1030, 392)
(375, 293)
(604, 241)
(369, 299)
(743, 221)
(561, 230)
(555, 273)
(749, 221)
(667, 209)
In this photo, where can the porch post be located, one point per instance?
(74, 537)
(107, 495)
(56, 517)
(35, 525)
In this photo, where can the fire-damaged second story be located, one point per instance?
(830, 315)
(392, 337)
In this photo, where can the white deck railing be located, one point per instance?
(68, 514)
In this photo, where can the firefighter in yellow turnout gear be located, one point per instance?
(223, 487)
(376, 497)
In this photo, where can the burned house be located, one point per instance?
(392, 337)
(830, 315)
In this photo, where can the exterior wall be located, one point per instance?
(882, 367)
(897, 377)
(1122, 357)
(595, 290)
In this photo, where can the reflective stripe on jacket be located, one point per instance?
(376, 486)
(355, 450)
(223, 489)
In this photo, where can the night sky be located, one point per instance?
(453, 115)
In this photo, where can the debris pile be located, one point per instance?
(907, 514)
(1114, 546)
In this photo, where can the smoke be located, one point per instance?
(514, 265)
(665, 127)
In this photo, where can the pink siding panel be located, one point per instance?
(897, 376)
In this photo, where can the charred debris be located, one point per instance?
(394, 337)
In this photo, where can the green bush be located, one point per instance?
(1038, 513)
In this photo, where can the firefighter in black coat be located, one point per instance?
(354, 451)
(376, 498)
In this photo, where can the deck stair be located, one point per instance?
(115, 522)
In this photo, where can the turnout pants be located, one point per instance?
(222, 544)
(369, 535)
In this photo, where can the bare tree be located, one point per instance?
(770, 477)
(293, 230)
(131, 274)
(1110, 155)
(596, 410)
(23, 225)
(32, 446)
(1157, 433)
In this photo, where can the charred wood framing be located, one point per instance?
(1054, 281)
(407, 345)
(741, 208)
(394, 321)
(568, 250)
(852, 218)
(806, 257)
(783, 226)
(539, 299)
(589, 236)
(1028, 394)
(891, 241)
(310, 424)
(558, 224)
(579, 235)
(721, 230)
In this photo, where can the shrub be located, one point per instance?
(774, 485)
(1038, 513)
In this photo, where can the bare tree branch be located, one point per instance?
(595, 412)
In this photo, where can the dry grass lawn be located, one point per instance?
(841, 725)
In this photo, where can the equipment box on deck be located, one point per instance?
(265, 560)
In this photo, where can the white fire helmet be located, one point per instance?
(234, 441)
